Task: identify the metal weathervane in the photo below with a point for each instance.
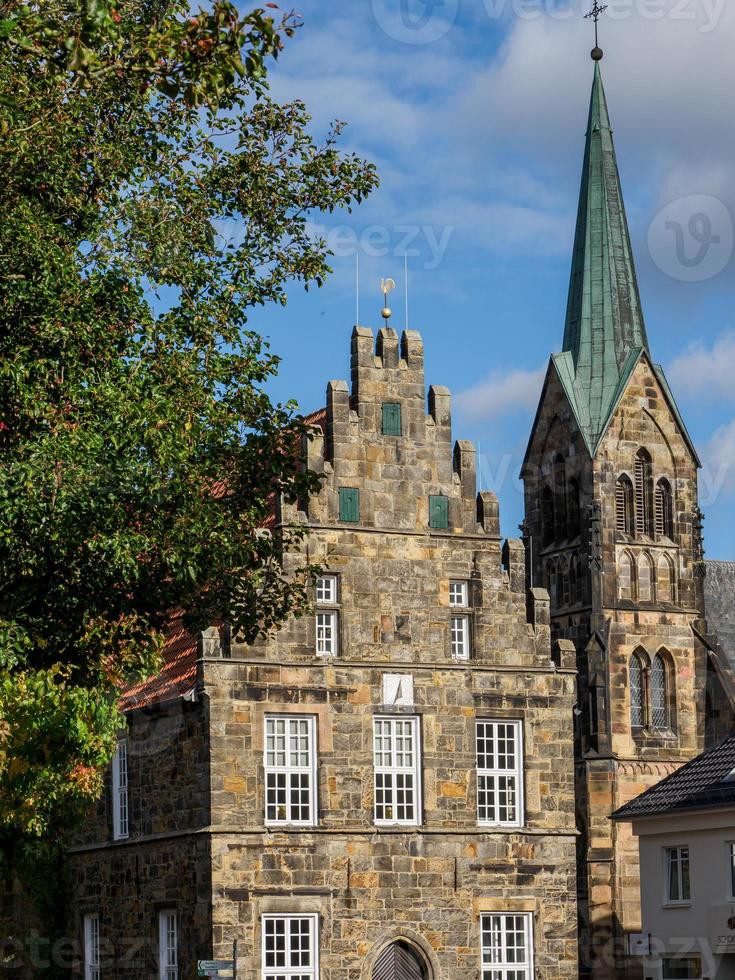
(386, 287)
(594, 14)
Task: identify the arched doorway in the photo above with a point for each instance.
(400, 961)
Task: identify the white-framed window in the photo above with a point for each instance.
(730, 864)
(678, 889)
(327, 633)
(460, 635)
(397, 756)
(92, 947)
(459, 594)
(499, 747)
(326, 590)
(120, 823)
(290, 770)
(682, 968)
(168, 945)
(507, 946)
(290, 947)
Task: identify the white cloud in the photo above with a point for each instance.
(706, 372)
(503, 393)
(718, 473)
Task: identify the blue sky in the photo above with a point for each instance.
(474, 112)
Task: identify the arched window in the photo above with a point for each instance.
(624, 506)
(664, 510)
(643, 494)
(645, 578)
(665, 580)
(551, 581)
(573, 517)
(573, 582)
(563, 586)
(660, 713)
(560, 499)
(547, 516)
(626, 583)
(637, 697)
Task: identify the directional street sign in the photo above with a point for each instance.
(215, 968)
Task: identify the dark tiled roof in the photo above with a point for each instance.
(719, 603)
(698, 785)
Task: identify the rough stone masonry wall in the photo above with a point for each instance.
(165, 863)
(623, 763)
(429, 884)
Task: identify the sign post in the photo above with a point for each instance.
(216, 968)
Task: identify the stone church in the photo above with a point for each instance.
(415, 780)
(614, 532)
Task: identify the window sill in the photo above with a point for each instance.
(288, 825)
(500, 826)
(396, 825)
(678, 905)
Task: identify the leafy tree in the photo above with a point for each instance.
(152, 196)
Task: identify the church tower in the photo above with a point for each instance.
(613, 531)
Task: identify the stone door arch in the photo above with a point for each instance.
(400, 961)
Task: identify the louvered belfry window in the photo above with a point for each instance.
(624, 506)
(643, 494)
(664, 510)
(547, 516)
(560, 500)
(573, 515)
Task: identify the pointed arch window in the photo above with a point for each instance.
(563, 586)
(625, 576)
(547, 516)
(643, 494)
(573, 516)
(665, 580)
(637, 697)
(552, 581)
(664, 510)
(560, 499)
(624, 506)
(573, 582)
(660, 713)
(645, 578)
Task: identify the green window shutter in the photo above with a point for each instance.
(438, 512)
(391, 419)
(349, 504)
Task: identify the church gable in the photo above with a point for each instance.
(555, 425)
(645, 417)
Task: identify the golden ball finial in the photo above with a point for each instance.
(386, 313)
(597, 54)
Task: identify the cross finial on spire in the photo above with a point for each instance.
(594, 14)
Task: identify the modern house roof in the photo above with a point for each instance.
(704, 783)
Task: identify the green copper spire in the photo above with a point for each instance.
(604, 322)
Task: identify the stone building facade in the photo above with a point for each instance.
(385, 788)
(613, 531)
